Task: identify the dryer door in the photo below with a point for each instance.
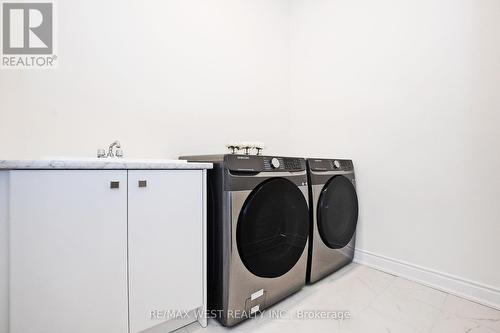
(337, 214)
(272, 228)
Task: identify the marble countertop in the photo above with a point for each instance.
(104, 164)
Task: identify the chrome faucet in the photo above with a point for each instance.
(101, 153)
(111, 146)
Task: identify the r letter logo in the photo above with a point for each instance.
(28, 29)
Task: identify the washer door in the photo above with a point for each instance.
(337, 212)
(272, 228)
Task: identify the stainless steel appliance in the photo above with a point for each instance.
(334, 216)
(258, 232)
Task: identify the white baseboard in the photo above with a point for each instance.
(471, 290)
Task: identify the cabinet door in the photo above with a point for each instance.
(165, 243)
(68, 247)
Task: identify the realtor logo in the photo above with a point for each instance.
(28, 34)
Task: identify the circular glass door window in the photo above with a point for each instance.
(272, 228)
(337, 212)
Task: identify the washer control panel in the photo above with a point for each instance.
(330, 164)
(257, 163)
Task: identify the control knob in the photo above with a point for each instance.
(336, 164)
(275, 163)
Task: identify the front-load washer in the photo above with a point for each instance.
(333, 215)
(258, 226)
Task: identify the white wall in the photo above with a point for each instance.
(411, 91)
(164, 77)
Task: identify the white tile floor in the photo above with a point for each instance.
(377, 302)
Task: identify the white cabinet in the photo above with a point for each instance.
(68, 251)
(93, 251)
(165, 245)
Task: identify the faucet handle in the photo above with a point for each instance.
(119, 153)
(101, 153)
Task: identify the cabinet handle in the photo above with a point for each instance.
(114, 184)
(142, 183)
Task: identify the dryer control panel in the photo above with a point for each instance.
(330, 164)
(257, 163)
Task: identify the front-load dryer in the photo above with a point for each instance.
(333, 215)
(258, 228)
